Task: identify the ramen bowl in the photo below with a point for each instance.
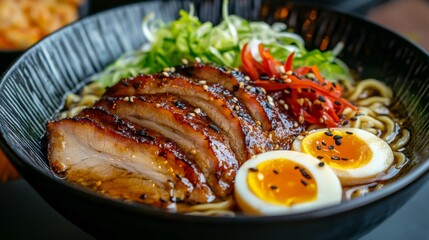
(33, 90)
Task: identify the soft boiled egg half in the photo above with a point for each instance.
(283, 182)
(355, 155)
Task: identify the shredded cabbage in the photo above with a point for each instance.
(188, 38)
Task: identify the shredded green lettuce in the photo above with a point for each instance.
(189, 38)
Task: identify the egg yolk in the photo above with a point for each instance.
(341, 150)
(283, 182)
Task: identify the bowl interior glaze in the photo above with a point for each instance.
(33, 90)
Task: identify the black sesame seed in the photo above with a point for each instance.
(320, 157)
(296, 167)
(143, 196)
(321, 164)
(312, 90)
(323, 84)
(235, 88)
(273, 187)
(252, 169)
(323, 143)
(305, 174)
(214, 127)
(304, 183)
(337, 103)
(275, 171)
(178, 176)
(328, 133)
(353, 119)
(331, 89)
(179, 104)
(373, 185)
(350, 133)
(345, 159)
(125, 83)
(335, 158)
(331, 147)
(336, 137)
(338, 142)
(319, 147)
(264, 77)
(345, 122)
(162, 200)
(321, 98)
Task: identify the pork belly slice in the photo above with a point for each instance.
(93, 155)
(246, 138)
(188, 127)
(279, 125)
(186, 174)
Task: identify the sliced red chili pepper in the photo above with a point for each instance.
(328, 93)
(289, 62)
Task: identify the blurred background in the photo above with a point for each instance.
(24, 22)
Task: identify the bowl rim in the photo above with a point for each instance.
(144, 210)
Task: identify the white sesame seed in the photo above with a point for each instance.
(248, 87)
(295, 124)
(288, 80)
(167, 69)
(263, 90)
(241, 84)
(126, 99)
(193, 151)
(211, 98)
(191, 114)
(286, 106)
(202, 82)
(185, 61)
(281, 101)
(205, 87)
(197, 59)
(270, 99)
(300, 101)
(165, 74)
(301, 119)
(247, 78)
(132, 98)
(172, 69)
(237, 108)
(258, 123)
(276, 147)
(289, 72)
(197, 110)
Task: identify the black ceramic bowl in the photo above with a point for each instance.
(33, 89)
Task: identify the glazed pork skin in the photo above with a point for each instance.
(188, 127)
(115, 164)
(246, 138)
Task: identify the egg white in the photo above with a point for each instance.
(382, 158)
(329, 191)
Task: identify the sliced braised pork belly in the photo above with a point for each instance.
(246, 138)
(123, 161)
(260, 106)
(187, 126)
(182, 172)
